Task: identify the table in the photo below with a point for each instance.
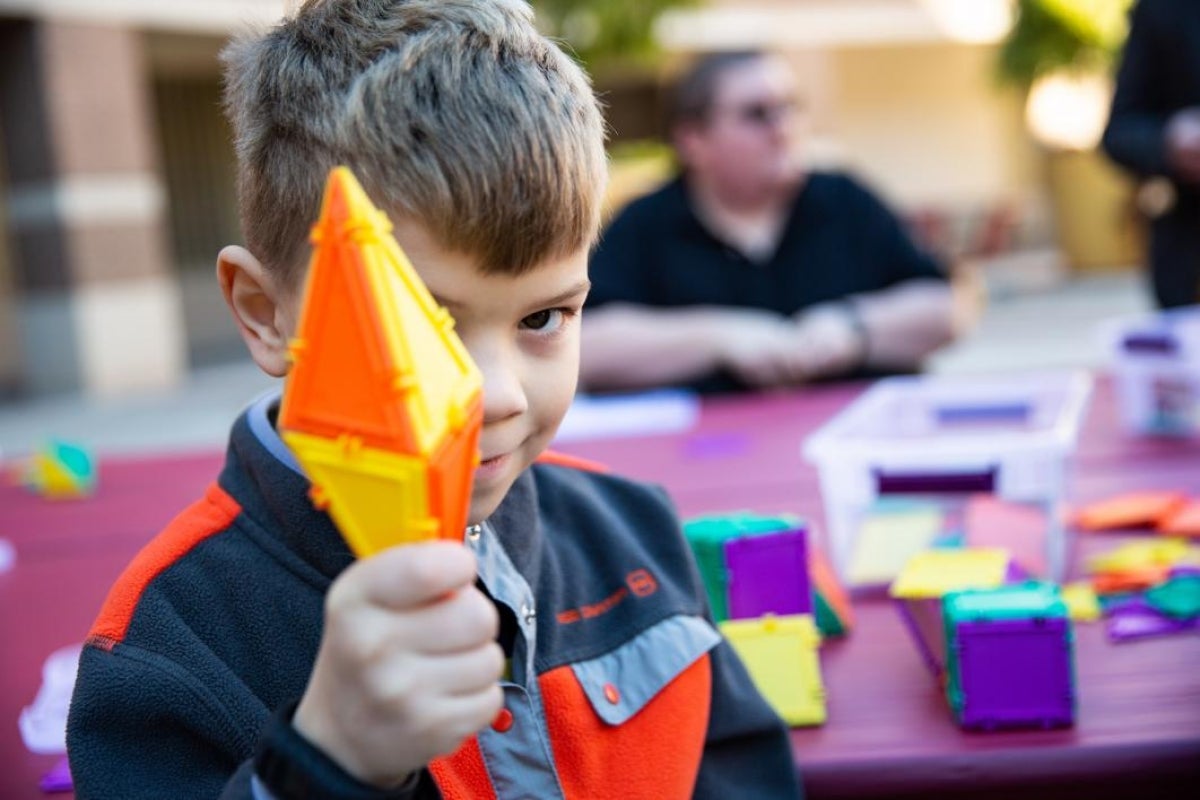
(889, 732)
(68, 555)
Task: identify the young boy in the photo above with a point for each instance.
(563, 650)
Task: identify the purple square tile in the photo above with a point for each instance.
(768, 574)
(1015, 673)
(58, 779)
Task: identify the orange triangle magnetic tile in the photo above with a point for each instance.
(1129, 510)
(422, 339)
(342, 377)
(424, 367)
(340, 386)
(825, 582)
(452, 474)
(1183, 521)
(1131, 579)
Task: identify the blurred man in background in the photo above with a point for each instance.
(747, 271)
(1154, 130)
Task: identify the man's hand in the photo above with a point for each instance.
(830, 341)
(764, 350)
(408, 665)
(760, 348)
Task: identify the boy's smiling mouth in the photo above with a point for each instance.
(493, 466)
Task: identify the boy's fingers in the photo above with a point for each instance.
(466, 673)
(413, 575)
(464, 714)
(460, 623)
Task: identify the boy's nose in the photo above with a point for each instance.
(503, 392)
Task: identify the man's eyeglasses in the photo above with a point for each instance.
(762, 112)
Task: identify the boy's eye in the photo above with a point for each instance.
(544, 321)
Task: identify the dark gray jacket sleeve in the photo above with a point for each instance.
(140, 727)
(748, 752)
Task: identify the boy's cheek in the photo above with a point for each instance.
(559, 394)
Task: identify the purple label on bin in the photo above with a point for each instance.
(1159, 343)
(935, 482)
(990, 414)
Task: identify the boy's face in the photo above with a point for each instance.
(523, 333)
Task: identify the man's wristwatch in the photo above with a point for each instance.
(853, 316)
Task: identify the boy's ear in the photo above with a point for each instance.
(259, 308)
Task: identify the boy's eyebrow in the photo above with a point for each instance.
(577, 289)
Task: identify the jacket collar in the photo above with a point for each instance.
(262, 474)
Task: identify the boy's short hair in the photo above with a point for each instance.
(455, 113)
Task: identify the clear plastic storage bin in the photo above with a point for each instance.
(1155, 363)
(942, 440)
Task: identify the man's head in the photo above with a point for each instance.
(732, 119)
(483, 142)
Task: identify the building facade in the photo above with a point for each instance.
(117, 179)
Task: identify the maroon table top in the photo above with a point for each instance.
(889, 732)
(68, 554)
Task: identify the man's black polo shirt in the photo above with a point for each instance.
(839, 240)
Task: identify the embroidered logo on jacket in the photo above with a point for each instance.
(639, 583)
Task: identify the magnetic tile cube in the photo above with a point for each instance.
(1010, 657)
(781, 656)
(752, 564)
(927, 578)
(61, 470)
(758, 564)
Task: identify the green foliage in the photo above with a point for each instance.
(640, 150)
(605, 32)
(1055, 35)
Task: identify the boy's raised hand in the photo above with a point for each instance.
(408, 665)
